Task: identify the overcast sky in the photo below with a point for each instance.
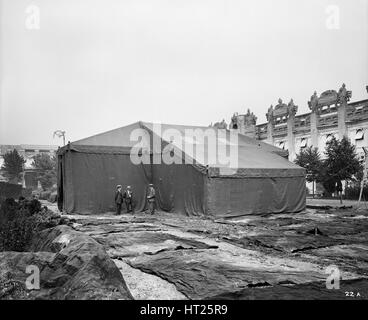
(95, 65)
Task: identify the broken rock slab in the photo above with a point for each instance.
(200, 274)
(287, 243)
(137, 243)
(72, 266)
(351, 257)
(13, 272)
(81, 268)
(356, 289)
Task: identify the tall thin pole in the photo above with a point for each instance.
(60, 134)
(364, 173)
(361, 190)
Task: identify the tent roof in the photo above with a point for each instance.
(252, 154)
(243, 140)
(120, 137)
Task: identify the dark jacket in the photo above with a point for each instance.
(128, 197)
(118, 197)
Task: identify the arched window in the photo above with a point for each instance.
(359, 135)
(304, 143)
(281, 145)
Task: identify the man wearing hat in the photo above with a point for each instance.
(128, 197)
(151, 195)
(118, 199)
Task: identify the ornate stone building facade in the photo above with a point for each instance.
(332, 114)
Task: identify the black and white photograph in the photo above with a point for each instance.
(192, 151)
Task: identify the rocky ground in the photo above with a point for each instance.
(68, 264)
(169, 256)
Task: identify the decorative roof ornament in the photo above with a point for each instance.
(292, 108)
(343, 96)
(313, 103)
(281, 105)
(221, 125)
(280, 110)
(328, 98)
(234, 124)
(269, 114)
(250, 118)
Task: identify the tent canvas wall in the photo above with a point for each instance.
(263, 182)
(87, 178)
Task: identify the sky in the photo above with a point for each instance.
(88, 66)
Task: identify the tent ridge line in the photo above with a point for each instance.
(197, 166)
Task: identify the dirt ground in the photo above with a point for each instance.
(284, 256)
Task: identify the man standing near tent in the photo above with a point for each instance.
(128, 197)
(118, 199)
(151, 196)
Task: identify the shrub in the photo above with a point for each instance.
(46, 165)
(20, 220)
(47, 179)
(16, 234)
(13, 165)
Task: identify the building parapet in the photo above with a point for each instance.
(330, 111)
(28, 148)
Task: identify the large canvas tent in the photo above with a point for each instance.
(263, 181)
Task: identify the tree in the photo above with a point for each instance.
(13, 165)
(46, 165)
(341, 164)
(44, 162)
(310, 160)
